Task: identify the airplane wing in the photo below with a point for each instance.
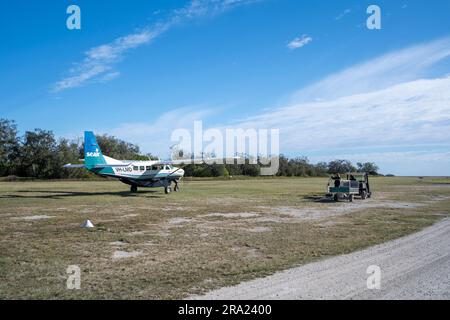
(72, 166)
(198, 161)
(121, 165)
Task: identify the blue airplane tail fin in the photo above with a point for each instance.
(92, 154)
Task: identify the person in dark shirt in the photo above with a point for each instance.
(337, 180)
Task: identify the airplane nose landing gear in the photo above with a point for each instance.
(133, 188)
(177, 188)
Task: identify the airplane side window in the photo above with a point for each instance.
(154, 168)
(167, 168)
(148, 168)
(142, 168)
(135, 168)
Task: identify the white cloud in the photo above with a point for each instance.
(299, 42)
(343, 14)
(98, 61)
(408, 114)
(400, 66)
(109, 76)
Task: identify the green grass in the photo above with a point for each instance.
(183, 248)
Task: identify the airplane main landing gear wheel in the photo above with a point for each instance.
(133, 188)
(167, 189)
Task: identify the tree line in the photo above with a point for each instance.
(39, 154)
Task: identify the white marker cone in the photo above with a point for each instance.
(87, 224)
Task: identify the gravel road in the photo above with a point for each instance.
(413, 267)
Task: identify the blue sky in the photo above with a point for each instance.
(141, 69)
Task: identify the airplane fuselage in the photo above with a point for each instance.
(143, 173)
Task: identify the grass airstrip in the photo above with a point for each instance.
(213, 233)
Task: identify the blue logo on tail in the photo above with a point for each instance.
(92, 153)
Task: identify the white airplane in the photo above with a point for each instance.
(134, 173)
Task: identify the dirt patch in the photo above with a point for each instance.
(253, 253)
(438, 198)
(136, 233)
(328, 223)
(125, 254)
(234, 215)
(88, 210)
(342, 208)
(274, 219)
(31, 218)
(131, 215)
(174, 209)
(180, 220)
(248, 252)
(227, 201)
(164, 233)
(259, 229)
(118, 243)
